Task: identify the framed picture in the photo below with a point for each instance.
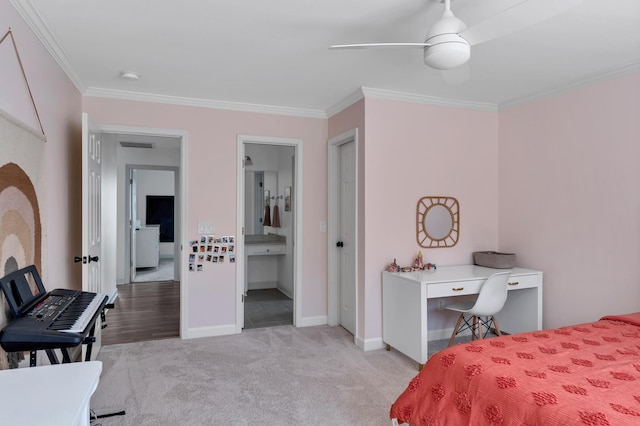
(287, 199)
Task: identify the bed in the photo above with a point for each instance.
(587, 374)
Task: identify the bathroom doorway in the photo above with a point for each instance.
(269, 223)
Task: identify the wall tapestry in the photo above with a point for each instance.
(22, 234)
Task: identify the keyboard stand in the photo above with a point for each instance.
(66, 357)
(53, 358)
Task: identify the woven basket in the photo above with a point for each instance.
(493, 259)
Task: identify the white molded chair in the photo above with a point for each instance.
(490, 301)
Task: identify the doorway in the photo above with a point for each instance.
(343, 295)
(269, 229)
(151, 206)
(147, 150)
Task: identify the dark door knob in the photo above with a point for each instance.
(339, 244)
(80, 259)
(93, 259)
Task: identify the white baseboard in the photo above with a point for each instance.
(285, 291)
(222, 330)
(262, 285)
(444, 334)
(312, 321)
(372, 344)
(113, 297)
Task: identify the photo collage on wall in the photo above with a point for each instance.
(209, 249)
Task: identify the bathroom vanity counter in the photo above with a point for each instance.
(265, 239)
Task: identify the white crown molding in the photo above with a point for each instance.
(589, 80)
(33, 19)
(371, 93)
(428, 100)
(204, 103)
(345, 103)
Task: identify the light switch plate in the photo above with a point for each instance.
(205, 228)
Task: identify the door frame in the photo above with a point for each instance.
(298, 223)
(333, 230)
(183, 209)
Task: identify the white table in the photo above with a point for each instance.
(48, 395)
(405, 297)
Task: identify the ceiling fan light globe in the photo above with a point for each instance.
(447, 55)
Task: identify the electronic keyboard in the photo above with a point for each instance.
(59, 319)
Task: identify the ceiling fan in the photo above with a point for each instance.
(448, 42)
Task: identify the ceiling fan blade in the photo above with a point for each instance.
(515, 18)
(365, 45)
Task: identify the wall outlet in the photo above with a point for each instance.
(323, 226)
(440, 304)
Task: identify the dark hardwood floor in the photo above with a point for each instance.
(144, 311)
(151, 311)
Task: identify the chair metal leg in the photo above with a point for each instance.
(455, 331)
(496, 327)
(474, 327)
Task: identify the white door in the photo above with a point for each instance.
(91, 218)
(347, 242)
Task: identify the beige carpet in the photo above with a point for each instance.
(164, 272)
(268, 376)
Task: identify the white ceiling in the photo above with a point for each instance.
(257, 53)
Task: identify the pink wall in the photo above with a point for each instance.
(412, 151)
(212, 142)
(59, 107)
(569, 198)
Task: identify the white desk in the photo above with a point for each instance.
(405, 294)
(49, 395)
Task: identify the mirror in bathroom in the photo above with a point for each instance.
(438, 222)
(260, 186)
(267, 197)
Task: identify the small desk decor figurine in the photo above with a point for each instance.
(393, 267)
(418, 263)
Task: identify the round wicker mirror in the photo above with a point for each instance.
(438, 222)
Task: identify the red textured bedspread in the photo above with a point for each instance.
(586, 374)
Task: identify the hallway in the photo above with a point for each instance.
(144, 311)
(164, 272)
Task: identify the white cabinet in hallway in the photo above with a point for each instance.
(148, 247)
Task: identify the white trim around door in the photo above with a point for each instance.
(297, 238)
(183, 210)
(333, 230)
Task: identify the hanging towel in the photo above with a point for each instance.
(276, 217)
(267, 216)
